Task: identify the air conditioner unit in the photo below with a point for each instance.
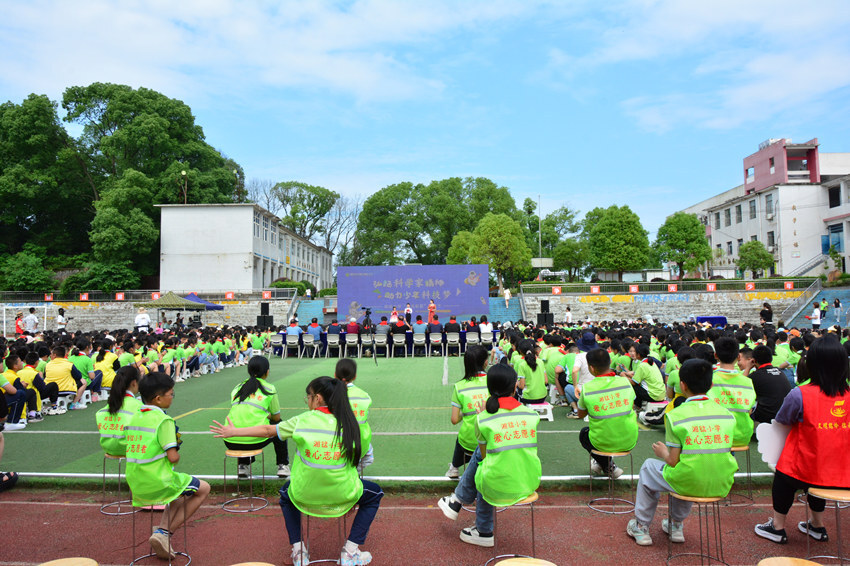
(771, 249)
(769, 217)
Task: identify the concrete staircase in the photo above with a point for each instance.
(500, 313)
(841, 293)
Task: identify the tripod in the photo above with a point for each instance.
(367, 324)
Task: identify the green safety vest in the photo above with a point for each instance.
(608, 400)
(706, 466)
(150, 475)
(254, 410)
(360, 403)
(322, 484)
(470, 395)
(735, 392)
(111, 427)
(511, 470)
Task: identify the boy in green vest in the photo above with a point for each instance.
(152, 445)
(732, 390)
(607, 399)
(696, 457)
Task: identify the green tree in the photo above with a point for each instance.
(25, 272)
(110, 277)
(45, 199)
(122, 227)
(498, 240)
(617, 241)
(571, 255)
(753, 256)
(681, 240)
(304, 207)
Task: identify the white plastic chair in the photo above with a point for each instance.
(291, 342)
(419, 340)
(351, 342)
(452, 341)
(399, 340)
(381, 342)
(436, 339)
(309, 341)
(333, 342)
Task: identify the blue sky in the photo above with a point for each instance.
(641, 102)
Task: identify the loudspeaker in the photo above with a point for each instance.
(546, 319)
(264, 309)
(544, 305)
(265, 321)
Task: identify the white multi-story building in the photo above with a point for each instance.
(234, 247)
(795, 200)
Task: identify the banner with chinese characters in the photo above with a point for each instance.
(455, 289)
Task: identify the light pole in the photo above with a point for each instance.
(183, 181)
(539, 228)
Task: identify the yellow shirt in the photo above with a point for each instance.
(58, 370)
(105, 367)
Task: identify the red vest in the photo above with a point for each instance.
(816, 449)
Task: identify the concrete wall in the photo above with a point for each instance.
(736, 306)
(89, 316)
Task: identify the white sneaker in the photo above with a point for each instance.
(615, 471)
(453, 473)
(300, 558)
(678, 532)
(15, 426)
(595, 468)
(472, 536)
(359, 558)
(283, 471)
(244, 471)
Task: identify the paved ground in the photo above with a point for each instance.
(42, 524)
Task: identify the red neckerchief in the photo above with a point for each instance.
(508, 403)
(315, 324)
(128, 394)
(324, 410)
(646, 361)
(763, 365)
(293, 325)
(29, 366)
(382, 323)
(609, 374)
(480, 374)
(697, 398)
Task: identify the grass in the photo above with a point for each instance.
(412, 434)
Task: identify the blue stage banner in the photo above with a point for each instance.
(455, 289)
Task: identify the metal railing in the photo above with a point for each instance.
(808, 266)
(699, 286)
(522, 303)
(800, 302)
(137, 295)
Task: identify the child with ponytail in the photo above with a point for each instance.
(468, 397)
(532, 375)
(360, 401)
(255, 402)
(120, 408)
(504, 469)
(324, 480)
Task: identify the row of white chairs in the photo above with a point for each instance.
(361, 343)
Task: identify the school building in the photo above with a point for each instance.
(234, 247)
(794, 199)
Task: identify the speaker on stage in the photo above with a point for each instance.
(265, 321)
(264, 309)
(546, 318)
(544, 305)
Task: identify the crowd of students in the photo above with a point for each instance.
(707, 387)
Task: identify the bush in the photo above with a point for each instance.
(308, 285)
(25, 272)
(300, 289)
(329, 292)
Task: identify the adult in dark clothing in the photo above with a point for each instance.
(334, 327)
(400, 327)
(452, 325)
(435, 326)
(770, 384)
(766, 314)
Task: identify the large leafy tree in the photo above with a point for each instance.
(497, 240)
(303, 208)
(617, 241)
(416, 223)
(571, 255)
(25, 271)
(753, 256)
(46, 200)
(681, 240)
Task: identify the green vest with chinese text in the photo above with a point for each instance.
(613, 424)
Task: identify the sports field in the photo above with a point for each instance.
(413, 437)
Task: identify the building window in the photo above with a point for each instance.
(729, 248)
(717, 220)
(265, 228)
(772, 166)
(753, 209)
(754, 238)
(771, 239)
(751, 174)
(256, 224)
(836, 237)
(740, 243)
(768, 204)
(834, 197)
(739, 214)
(727, 217)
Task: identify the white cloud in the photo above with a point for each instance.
(205, 46)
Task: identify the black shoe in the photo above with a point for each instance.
(817, 533)
(766, 530)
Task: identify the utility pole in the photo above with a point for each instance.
(539, 229)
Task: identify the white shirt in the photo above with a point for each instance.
(815, 316)
(507, 294)
(30, 322)
(584, 374)
(60, 322)
(143, 320)
(485, 327)
(569, 317)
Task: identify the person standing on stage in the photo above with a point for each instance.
(432, 310)
(408, 313)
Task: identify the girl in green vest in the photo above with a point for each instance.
(532, 374)
(360, 401)
(121, 407)
(468, 398)
(255, 402)
(324, 480)
(504, 469)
